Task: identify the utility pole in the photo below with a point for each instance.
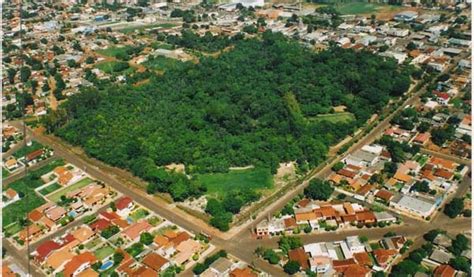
(25, 141)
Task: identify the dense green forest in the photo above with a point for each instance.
(249, 106)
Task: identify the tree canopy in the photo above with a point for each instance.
(252, 105)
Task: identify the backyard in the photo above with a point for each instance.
(57, 195)
(219, 184)
(49, 189)
(103, 252)
(26, 188)
(27, 149)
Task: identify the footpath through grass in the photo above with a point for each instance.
(219, 184)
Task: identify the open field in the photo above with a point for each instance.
(334, 117)
(26, 186)
(57, 195)
(220, 184)
(128, 30)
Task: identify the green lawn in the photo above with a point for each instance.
(27, 149)
(221, 183)
(57, 195)
(93, 243)
(49, 189)
(114, 51)
(12, 229)
(26, 186)
(103, 252)
(139, 214)
(161, 63)
(161, 45)
(108, 67)
(5, 173)
(334, 117)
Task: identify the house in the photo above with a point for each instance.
(243, 272)
(384, 217)
(383, 256)
(299, 255)
(354, 244)
(221, 267)
(34, 155)
(30, 233)
(133, 231)
(465, 126)
(11, 195)
(79, 263)
(58, 258)
(363, 258)
(100, 224)
(356, 271)
(422, 138)
(186, 250)
(385, 195)
(361, 158)
(11, 164)
(44, 249)
(406, 16)
(82, 233)
(442, 97)
(414, 205)
(55, 213)
(124, 206)
(439, 257)
(444, 271)
(320, 264)
(341, 265)
(155, 262)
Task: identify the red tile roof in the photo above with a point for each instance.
(154, 261)
(35, 154)
(100, 224)
(300, 256)
(123, 202)
(45, 249)
(444, 271)
(384, 194)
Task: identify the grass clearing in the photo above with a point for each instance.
(113, 51)
(111, 67)
(128, 30)
(57, 195)
(357, 8)
(161, 63)
(103, 252)
(26, 186)
(219, 184)
(49, 189)
(25, 150)
(334, 117)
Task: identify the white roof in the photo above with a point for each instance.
(415, 204)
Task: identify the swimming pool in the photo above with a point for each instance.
(108, 264)
(72, 213)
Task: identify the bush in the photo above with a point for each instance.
(291, 267)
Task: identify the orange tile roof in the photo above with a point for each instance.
(443, 163)
(444, 271)
(348, 208)
(78, 261)
(290, 222)
(88, 273)
(300, 256)
(170, 234)
(57, 258)
(6, 271)
(341, 265)
(356, 271)
(443, 173)
(305, 216)
(161, 240)
(383, 255)
(136, 229)
(83, 233)
(402, 177)
(154, 261)
(11, 193)
(35, 215)
(244, 272)
(365, 216)
(384, 194)
(363, 258)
